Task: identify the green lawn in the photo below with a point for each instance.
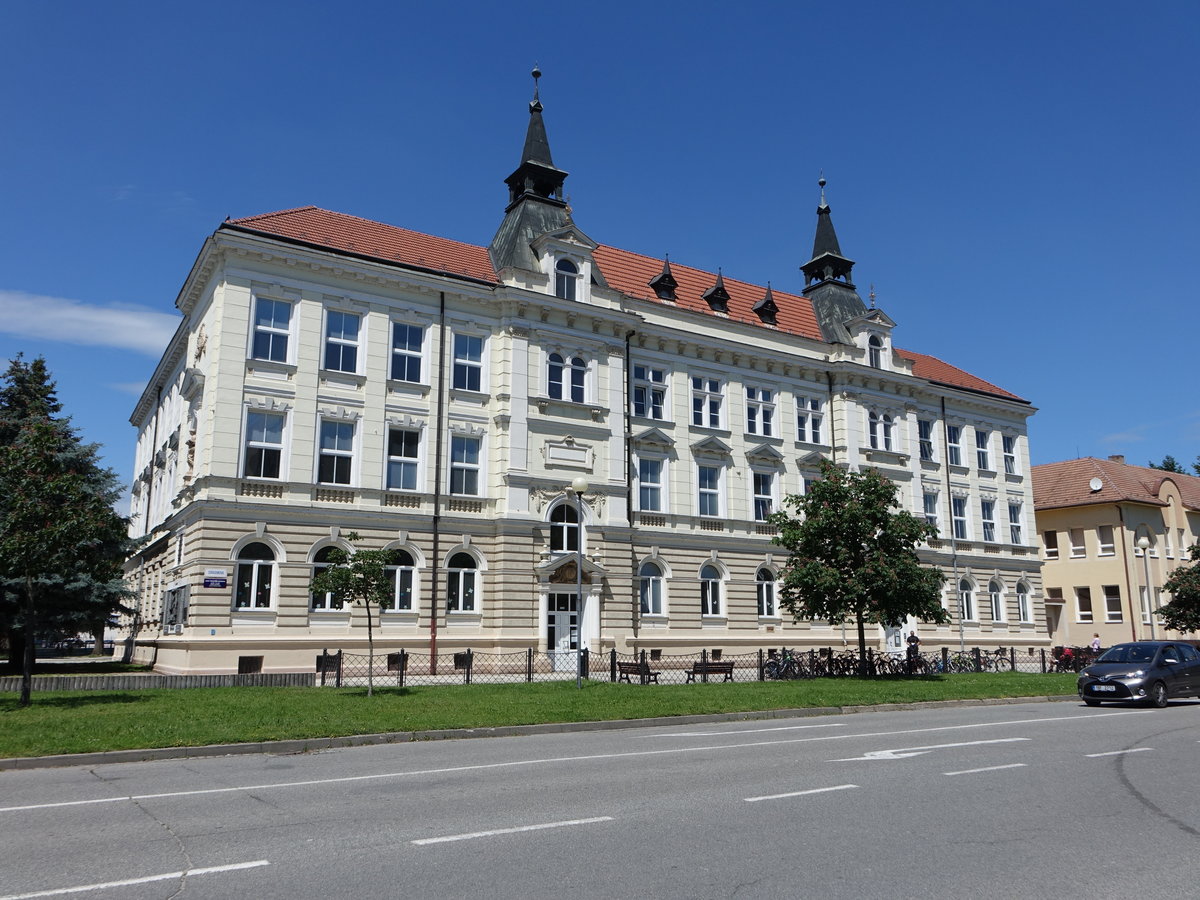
(84, 721)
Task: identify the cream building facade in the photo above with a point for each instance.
(1093, 515)
(334, 375)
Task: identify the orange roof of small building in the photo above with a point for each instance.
(627, 272)
(1069, 483)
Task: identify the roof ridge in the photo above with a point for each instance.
(269, 215)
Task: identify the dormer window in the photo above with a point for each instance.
(875, 352)
(566, 279)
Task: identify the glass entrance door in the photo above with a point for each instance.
(562, 630)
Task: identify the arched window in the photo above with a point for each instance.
(564, 529)
(559, 371)
(764, 585)
(566, 277)
(875, 352)
(255, 577)
(401, 569)
(880, 428)
(966, 600)
(320, 563)
(1024, 613)
(651, 589)
(996, 596)
(710, 591)
(461, 583)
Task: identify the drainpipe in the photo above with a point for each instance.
(440, 427)
(831, 418)
(962, 642)
(635, 604)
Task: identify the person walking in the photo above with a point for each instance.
(914, 649)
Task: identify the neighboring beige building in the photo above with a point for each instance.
(1091, 516)
(333, 374)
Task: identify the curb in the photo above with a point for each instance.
(308, 745)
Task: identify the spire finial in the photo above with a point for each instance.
(536, 73)
(871, 295)
(821, 182)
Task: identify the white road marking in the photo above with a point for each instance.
(986, 769)
(165, 876)
(480, 834)
(743, 731)
(825, 790)
(904, 752)
(1109, 753)
(572, 760)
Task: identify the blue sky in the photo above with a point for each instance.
(1017, 180)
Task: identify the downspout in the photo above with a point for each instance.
(962, 642)
(832, 419)
(635, 598)
(440, 427)
(1133, 616)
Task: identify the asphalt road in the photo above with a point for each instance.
(1040, 800)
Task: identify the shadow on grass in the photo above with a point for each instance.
(362, 692)
(76, 701)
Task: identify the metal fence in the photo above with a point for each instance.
(401, 668)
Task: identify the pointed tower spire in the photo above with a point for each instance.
(827, 260)
(664, 284)
(536, 175)
(827, 279)
(717, 297)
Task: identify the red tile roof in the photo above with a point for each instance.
(1068, 483)
(626, 272)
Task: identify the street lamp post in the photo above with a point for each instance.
(1144, 545)
(579, 485)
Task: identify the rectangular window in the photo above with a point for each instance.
(760, 411)
(403, 450)
(264, 444)
(958, 512)
(1024, 610)
(1010, 454)
(987, 512)
(1112, 603)
(341, 341)
(764, 495)
(1104, 535)
(925, 439)
(710, 490)
(650, 472)
(810, 417)
(272, 326)
(982, 455)
(1168, 550)
(1184, 546)
(649, 392)
(1078, 549)
(1015, 531)
(336, 462)
(1145, 605)
(468, 362)
(931, 510)
(954, 444)
(1050, 543)
(706, 402)
(1083, 604)
(407, 352)
(464, 466)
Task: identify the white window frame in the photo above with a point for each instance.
(954, 444)
(566, 279)
(1024, 608)
(987, 515)
(959, 519)
(565, 532)
(875, 351)
(337, 452)
(249, 443)
(648, 386)
(465, 467)
(458, 583)
(710, 591)
(760, 500)
(468, 373)
(1078, 550)
(324, 602)
(566, 377)
(712, 492)
(271, 566)
(652, 590)
(1009, 446)
(966, 601)
(931, 508)
(406, 355)
(766, 592)
(1112, 604)
(1082, 616)
(1016, 522)
(708, 402)
(925, 440)
(395, 572)
(983, 449)
(810, 418)
(341, 343)
(1050, 546)
(272, 331)
(996, 600)
(879, 429)
(760, 411)
(405, 462)
(659, 487)
(1106, 538)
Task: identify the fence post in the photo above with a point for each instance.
(762, 674)
(704, 665)
(945, 659)
(470, 662)
(870, 669)
(612, 665)
(643, 668)
(586, 660)
(1043, 660)
(829, 658)
(324, 653)
(978, 661)
(1012, 659)
(528, 665)
(340, 655)
(403, 666)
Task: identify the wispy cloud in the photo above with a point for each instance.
(1126, 437)
(129, 387)
(73, 322)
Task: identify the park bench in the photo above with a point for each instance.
(710, 669)
(640, 669)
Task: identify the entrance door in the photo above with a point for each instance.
(562, 630)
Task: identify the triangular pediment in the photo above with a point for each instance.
(560, 569)
(765, 453)
(568, 234)
(653, 437)
(712, 446)
(872, 317)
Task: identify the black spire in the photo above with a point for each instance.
(536, 175)
(664, 284)
(827, 279)
(716, 296)
(767, 308)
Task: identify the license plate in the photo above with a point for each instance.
(1104, 687)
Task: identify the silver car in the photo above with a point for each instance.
(1148, 671)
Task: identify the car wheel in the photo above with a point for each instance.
(1158, 694)
(1091, 702)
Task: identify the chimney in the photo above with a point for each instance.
(1117, 458)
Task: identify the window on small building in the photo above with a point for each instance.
(566, 279)
(1104, 536)
(1050, 544)
(1083, 604)
(461, 583)
(1112, 603)
(1078, 548)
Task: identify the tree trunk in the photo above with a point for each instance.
(98, 640)
(30, 646)
(862, 645)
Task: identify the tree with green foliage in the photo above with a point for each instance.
(361, 576)
(1183, 612)
(853, 554)
(62, 544)
(1169, 464)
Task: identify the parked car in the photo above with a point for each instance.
(1149, 671)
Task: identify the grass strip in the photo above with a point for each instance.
(89, 721)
